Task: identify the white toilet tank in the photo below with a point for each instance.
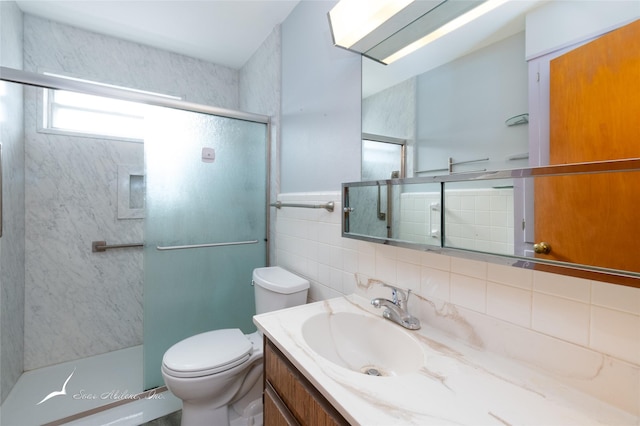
(276, 288)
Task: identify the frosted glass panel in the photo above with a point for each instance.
(195, 201)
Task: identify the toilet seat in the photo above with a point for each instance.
(207, 353)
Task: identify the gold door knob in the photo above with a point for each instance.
(542, 248)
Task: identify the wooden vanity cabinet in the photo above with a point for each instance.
(289, 398)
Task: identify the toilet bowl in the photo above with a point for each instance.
(218, 374)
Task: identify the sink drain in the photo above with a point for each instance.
(373, 370)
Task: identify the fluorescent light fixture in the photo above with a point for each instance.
(445, 29)
(353, 20)
(386, 30)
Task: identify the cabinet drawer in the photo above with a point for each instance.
(275, 412)
(303, 400)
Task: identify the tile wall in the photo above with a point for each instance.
(12, 250)
(585, 333)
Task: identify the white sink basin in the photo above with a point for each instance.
(363, 344)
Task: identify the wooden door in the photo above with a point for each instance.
(594, 115)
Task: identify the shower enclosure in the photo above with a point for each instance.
(205, 228)
(204, 201)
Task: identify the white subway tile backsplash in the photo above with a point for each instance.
(324, 253)
(349, 260)
(515, 277)
(329, 233)
(386, 252)
(367, 264)
(408, 276)
(386, 269)
(436, 261)
(409, 256)
(562, 285)
(584, 333)
(562, 318)
(616, 333)
(337, 258)
(348, 283)
(470, 268)
(509, 303)
(435, 284)
(468, 292)
(618, 297)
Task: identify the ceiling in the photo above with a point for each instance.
(223, 32)
(228, 32)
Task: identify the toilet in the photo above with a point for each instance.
(218, 374)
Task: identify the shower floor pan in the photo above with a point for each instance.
(48, 395)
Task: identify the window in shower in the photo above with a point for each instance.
(93, 116)
(66, 112)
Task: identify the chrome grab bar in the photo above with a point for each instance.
(192, 246)
(328, 206)
(100, 246)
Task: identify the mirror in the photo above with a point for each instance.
(455, 103)
(478, 98)
(498, 96)
(382, 211)
(583, 212)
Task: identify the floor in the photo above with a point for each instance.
(46, 395)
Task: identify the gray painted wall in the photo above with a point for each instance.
(321, 92)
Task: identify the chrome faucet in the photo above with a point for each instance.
(396, 308)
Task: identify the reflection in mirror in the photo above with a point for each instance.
(479, 216)
(382, 157)
(587, 219)
(584, 213)
(466, 94)
(385, 211)
(420, 214)
(462, 111)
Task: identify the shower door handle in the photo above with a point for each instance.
(193, 246)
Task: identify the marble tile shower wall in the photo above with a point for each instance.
(260, 89)
(585, 333)
(79, 303)
(12, 241)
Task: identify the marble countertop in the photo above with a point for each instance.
(458, 384)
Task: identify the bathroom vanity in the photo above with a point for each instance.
(288, 395)
(319, 360)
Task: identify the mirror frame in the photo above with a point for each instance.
(627, 278)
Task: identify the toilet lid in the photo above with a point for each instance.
(207, 353)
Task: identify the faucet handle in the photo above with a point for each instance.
(399, 296)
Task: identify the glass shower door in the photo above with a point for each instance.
(205, 227)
